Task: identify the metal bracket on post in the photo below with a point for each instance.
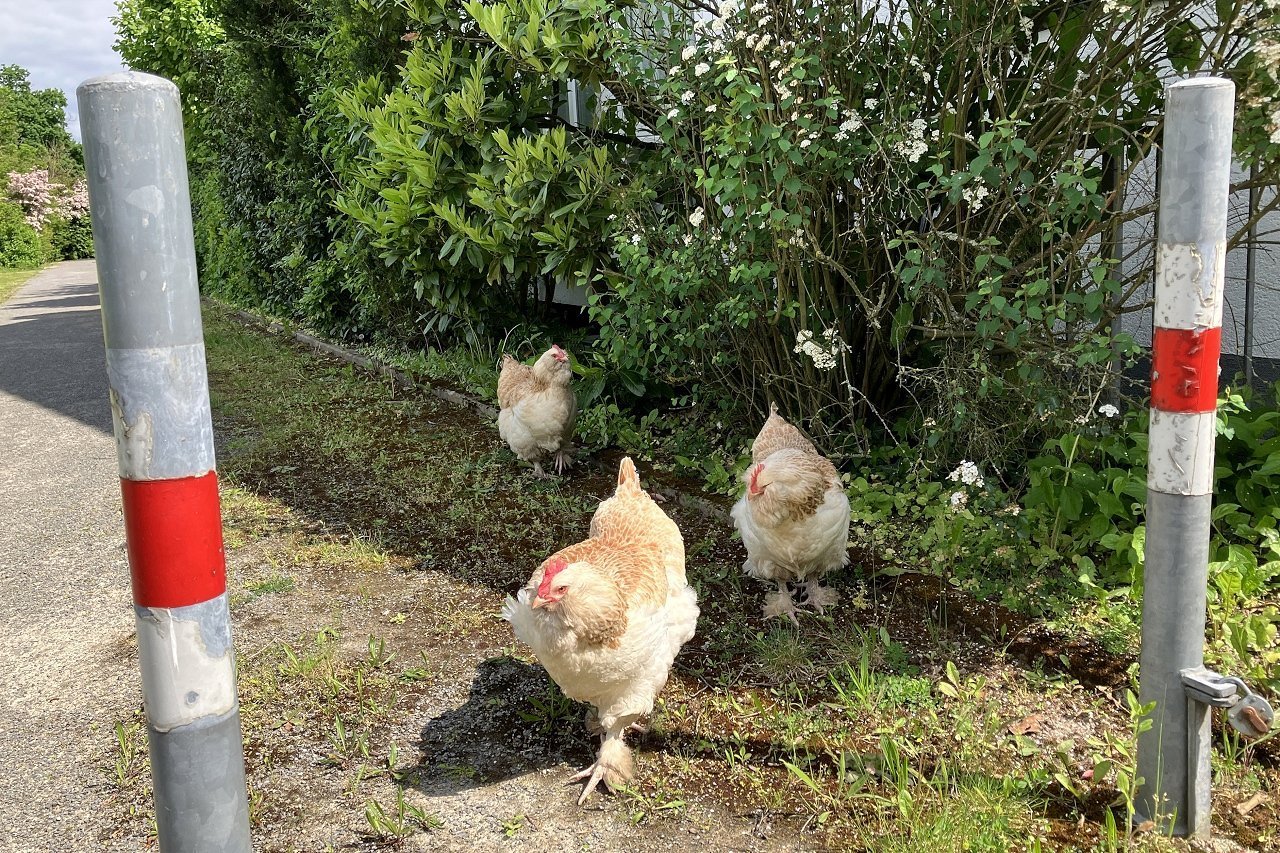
(1248, 714)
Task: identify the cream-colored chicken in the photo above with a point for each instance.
(794, 518)
(537, 408)
(607, 617)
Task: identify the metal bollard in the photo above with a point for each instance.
(1173, 756)
(135, 161)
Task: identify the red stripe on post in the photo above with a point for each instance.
(1184, 369)
(173, 529)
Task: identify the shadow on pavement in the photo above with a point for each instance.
(51, 350)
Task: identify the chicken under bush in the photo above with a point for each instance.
(607, 616)
(537, 408)
(794, 518)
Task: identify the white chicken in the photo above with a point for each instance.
(537, 408)
(607, 616)
(794, 518)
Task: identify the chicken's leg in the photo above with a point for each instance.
(563, 461)
(613, 765)
(539, 473)
(818, 596)
(780, 604)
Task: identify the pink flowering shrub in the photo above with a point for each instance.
(34, 194)
(58, 212)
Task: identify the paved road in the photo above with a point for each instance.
(67, 660)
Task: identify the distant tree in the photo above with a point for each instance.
(31, 117)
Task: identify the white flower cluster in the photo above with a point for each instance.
(852, 121)
(974, 194)
(725, 10)
(959, 500)
(697, 218)
(1108, 411)
(967, 473)
(912, 146)
(1268, 53)
(700, 69)
(823, 356)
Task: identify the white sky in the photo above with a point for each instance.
(61, 43)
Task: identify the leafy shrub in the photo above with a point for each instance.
(20, 245)
(71, 239)
(1089, 498)
(1080, 531)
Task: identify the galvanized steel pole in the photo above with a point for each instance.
(1173, 756)
(135, 160)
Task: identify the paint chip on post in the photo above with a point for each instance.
(1180, 452)
(188, 669)
(1188, 295)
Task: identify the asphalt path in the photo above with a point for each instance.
(68, 665)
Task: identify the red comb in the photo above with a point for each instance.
(755, 472)
(554, 567)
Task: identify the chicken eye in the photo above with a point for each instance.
(561, 589)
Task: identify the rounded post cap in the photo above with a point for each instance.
(1202, 83)
(121, 81)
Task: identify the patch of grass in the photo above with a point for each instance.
(975, 813)
(11, 280)
(398, 821)
(511, 826)
(268, 586)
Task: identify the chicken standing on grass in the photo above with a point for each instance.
(607, 616)
(537, 408)
(794, 518)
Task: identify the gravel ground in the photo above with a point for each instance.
(66, 630)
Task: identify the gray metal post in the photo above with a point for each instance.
(135, 161)
(1173, 756)
(1251, 276)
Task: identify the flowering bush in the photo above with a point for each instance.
(33, 192)
(934, 185)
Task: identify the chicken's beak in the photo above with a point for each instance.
(539, 601)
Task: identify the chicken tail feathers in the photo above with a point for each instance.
(628, 479)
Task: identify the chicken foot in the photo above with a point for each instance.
(563, 461)
(818, 596)
(780, 603)
(613, 766)
(539, 473)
